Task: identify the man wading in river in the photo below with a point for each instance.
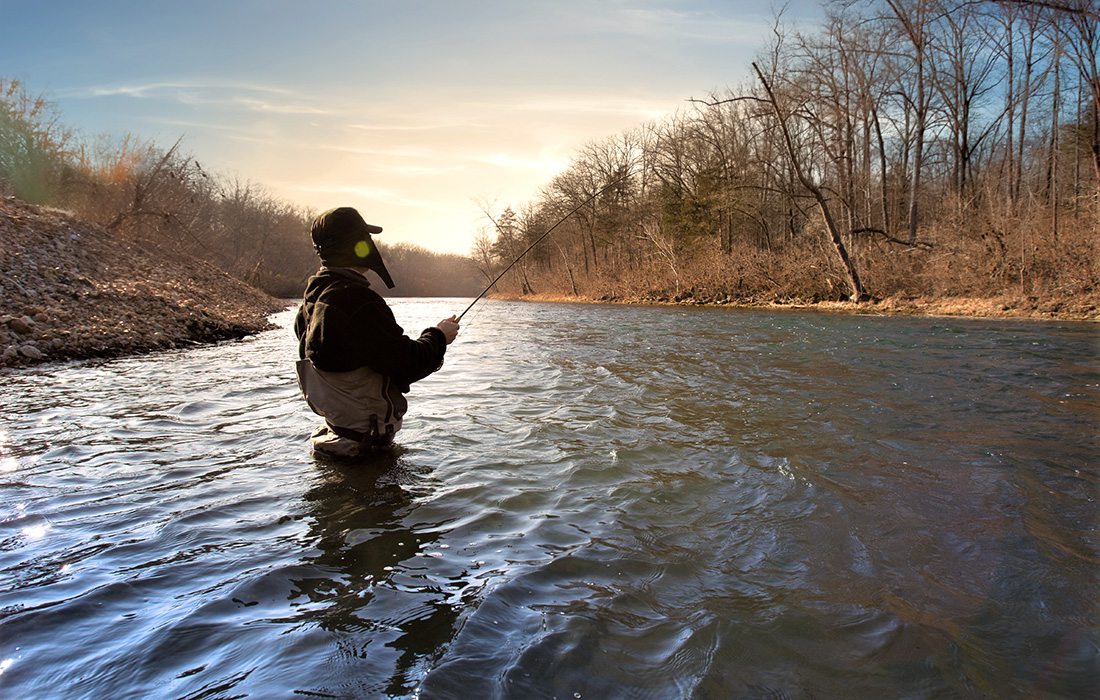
(356, 362)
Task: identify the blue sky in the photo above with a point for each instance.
(415, 112)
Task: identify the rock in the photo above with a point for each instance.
(22, 326)
(59, 301)
(30, 352)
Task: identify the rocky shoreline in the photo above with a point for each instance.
(1076, 308)
(71, 290)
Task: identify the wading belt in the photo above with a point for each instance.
(374, 438)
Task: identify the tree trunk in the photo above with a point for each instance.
(1052, 171)
(857, 291)
(915, 29)
(886, 220)
(568, 268)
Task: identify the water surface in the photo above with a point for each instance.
(587, 502)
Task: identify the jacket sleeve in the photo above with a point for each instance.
(301, 327)
(386, 349)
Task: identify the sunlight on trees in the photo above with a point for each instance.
(166, 201)
(908, 148)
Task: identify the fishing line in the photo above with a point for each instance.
(539, 240)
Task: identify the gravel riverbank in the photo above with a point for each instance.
(71, 290)
(1079, 307)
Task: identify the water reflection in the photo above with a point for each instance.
(369, 581)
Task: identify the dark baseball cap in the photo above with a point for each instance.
(339, 225)
(343, 239)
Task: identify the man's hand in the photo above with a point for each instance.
(449, 326)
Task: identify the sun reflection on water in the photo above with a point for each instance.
(36, 532)
(7, 462)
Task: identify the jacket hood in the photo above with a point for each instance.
(326, 276)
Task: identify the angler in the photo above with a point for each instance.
(356, 363)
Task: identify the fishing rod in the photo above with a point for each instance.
(539, 240)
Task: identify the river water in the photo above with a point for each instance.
(587, 502)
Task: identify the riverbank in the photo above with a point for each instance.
(1079, 308)
(71, 290)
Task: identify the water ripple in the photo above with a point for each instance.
(587, 502)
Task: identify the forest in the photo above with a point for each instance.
(165, 201)
(905, 148)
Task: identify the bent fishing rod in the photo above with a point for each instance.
(539, 240)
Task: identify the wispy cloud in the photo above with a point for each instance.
(247, 96)
(118, 90)
(371, 193)
(258, 105)
(662, 24)
(415, 152)
(227, 131)
(544, 164)
(405, 127)
(422, 170)
(149, 89)
(585, 105)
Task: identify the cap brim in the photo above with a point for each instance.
(372, 229)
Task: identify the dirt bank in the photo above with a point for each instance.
(69, 290)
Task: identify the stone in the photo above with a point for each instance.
(22, 326)
(30, 352)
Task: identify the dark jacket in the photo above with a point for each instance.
(343, 324)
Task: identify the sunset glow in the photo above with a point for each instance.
(415, 114)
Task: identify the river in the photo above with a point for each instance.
(586, 502)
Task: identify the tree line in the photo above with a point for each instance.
(905, 148)
(166, 200)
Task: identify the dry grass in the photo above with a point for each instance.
(965, 266)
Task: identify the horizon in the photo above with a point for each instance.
(415, 124)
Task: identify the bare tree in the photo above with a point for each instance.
(857, 292)
(914, 18)
(1080, 35)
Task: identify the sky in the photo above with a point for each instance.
(418, 113)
